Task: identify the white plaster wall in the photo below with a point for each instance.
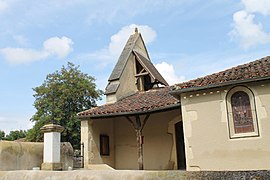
(85, 138)
(98, 127)
(158, 143)
(127, 80)
(126, 155)
(208, 144)
(52, 150)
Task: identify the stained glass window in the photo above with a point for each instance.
(242, 113)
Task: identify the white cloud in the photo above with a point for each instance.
(247, 31)
(3, 6)
(257, 6)
(60, 47)
(21, 56)
(167, 71)
(117, 43)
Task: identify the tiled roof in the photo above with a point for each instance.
(140, 102)
(112, 88)
(256, 70)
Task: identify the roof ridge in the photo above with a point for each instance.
(246, 71)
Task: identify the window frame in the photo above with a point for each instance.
(231, 127)
(104, 145)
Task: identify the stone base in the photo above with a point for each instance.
(51, 166)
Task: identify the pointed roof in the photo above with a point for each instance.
(122, 61)
(143, 58)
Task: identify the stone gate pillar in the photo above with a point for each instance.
(51, 150)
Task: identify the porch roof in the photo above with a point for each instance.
(139, 103)
(254, 71)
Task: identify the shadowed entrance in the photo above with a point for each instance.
(180, 146)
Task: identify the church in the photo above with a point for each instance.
(214, 123)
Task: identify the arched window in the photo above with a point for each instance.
(241, 112)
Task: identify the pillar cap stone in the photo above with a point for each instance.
(52, 128)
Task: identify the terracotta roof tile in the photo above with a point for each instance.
(137, 103)
(250, 71)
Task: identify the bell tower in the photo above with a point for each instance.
(133, 72)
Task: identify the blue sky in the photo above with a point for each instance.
(185, 39)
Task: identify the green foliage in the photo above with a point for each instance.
(14, 135)
(2, 135)
(67, 92)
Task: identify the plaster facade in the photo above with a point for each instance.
(159, 142)
(208, 143)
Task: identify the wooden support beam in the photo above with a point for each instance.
(133, 124)
(138, 125)
(145, 120)
(141, 74)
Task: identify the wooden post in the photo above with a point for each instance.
(138, 126)
(140, 149)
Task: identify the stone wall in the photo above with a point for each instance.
(26, 155)
(124, 174)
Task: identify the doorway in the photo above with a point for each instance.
(180, 146)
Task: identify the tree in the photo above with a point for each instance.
(62, 95)
(2, 135)
(14, 135)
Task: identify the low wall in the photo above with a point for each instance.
(26, 155)
(132, 174)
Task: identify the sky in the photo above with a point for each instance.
(185, 39)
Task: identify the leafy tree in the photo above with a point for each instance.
(62, 95)
(14, 135)
(2, 135)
